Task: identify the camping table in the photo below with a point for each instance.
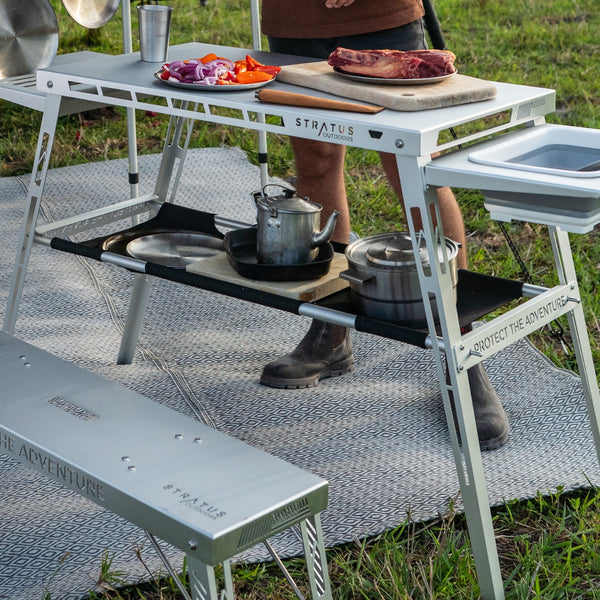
(412, 137)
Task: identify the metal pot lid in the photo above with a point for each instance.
(91, 13)
(28, 36)
(394, 252)
(285, 204)
(391, 250)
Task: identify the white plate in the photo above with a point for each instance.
(388, 81)
(237, 87)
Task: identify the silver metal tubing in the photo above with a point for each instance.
(42, 239)
(126, 18)
(530, 291)
(168, 566)
(439, 342)
(328, 315)
(135, 318)
(133, 264)
(283, 569)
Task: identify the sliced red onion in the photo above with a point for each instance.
(194, 71)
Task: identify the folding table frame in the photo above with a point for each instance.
(412, 137)
(22, 90)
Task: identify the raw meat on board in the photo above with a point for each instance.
(394, 64)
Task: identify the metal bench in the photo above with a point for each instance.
(204, 492)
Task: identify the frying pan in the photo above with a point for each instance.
(28, 36)
(91, 13)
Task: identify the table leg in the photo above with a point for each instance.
(173, 153)
(203, 581)
(437, 283)
(566, 272)
(135, 318)
(34, 199)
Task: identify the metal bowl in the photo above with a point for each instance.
(91, 13)
(28, 36)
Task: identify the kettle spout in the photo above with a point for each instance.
(322, 237)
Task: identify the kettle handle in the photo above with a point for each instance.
(288, 192)
(260, 195)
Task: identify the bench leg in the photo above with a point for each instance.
(204, 584)
(316, 559)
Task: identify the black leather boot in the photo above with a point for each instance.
(325, 351)
(490, 418)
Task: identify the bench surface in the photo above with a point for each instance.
(205, 492)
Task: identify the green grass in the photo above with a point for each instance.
(549, 546)
(549, 549)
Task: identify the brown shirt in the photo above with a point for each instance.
(311, 19)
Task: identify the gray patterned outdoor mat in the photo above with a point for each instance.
(377, 435)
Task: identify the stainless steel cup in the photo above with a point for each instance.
(154, 23)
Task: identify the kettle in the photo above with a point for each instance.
(288, 227)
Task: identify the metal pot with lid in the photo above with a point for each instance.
(288, 228)
(383, 277)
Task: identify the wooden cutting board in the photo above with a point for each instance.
(458, 89)
(218, 267)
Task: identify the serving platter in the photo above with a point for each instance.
(389, 81)
(237, 87)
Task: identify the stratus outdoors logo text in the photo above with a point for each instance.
(327, 131)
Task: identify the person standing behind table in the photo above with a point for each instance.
(314, 28)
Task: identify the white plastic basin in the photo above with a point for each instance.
(566, 151)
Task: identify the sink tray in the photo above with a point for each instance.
(566, 151)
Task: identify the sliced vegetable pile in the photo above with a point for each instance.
(215, 70)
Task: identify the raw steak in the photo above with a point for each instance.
(394, 64)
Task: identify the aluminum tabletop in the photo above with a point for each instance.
(125, 80)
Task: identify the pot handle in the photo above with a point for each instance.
(350, 276)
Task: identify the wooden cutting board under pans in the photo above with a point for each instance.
(308, 291)
(458, 89)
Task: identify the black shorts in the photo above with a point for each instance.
(408, 37)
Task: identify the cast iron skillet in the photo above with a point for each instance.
(240, 245)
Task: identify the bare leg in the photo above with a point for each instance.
(320, 177)
(451, 216)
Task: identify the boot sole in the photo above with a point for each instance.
(495, 443)
(334, 370)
